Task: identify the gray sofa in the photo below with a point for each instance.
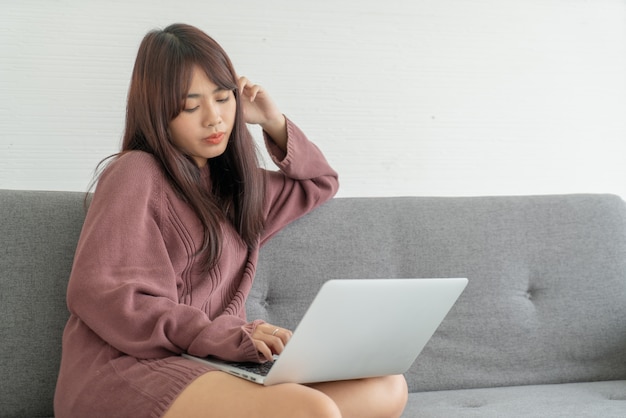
(540, 330)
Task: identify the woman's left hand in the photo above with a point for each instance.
(259, 109)
(269, 340)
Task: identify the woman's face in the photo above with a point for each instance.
(203, 128)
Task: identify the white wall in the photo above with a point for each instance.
(409, 97)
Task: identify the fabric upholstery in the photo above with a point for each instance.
(546, 298)
(539, 331)
(573, 400)
(38, 233)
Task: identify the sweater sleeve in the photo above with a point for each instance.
(304, 182)
(123, 284)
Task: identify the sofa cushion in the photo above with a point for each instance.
(545, 303)
(546, 299)
(592, 400)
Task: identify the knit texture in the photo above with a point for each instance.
(138, 297)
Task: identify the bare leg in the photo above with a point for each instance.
(222, 395)
(217, 394)
(375, 397)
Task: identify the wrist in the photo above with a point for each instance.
(275, 124)
(276, 129)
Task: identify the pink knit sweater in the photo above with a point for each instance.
(136, 294)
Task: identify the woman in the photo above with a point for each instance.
(168, 251)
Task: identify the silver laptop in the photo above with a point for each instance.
(356, 329)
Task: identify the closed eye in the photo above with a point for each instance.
(191, 110)
(223, 99)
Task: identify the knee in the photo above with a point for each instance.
(319, 405)
(311, 403)
(396, 394)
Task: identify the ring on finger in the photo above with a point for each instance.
(275, 332)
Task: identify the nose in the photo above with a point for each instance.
(212, 116)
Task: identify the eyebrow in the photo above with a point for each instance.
(196, 95)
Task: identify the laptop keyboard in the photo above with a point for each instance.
(258, 368)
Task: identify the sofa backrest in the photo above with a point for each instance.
(38, 235)
(546, 300)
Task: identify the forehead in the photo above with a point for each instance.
(201, 84)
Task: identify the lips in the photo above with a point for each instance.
(215, 139)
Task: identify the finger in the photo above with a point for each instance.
(283, 334)
(254, 91)
(241, 83)
(264, 350)
(275, 343)
(248, 88)
(274, 337)
(251, 91)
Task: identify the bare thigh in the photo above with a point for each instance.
(217, 394)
